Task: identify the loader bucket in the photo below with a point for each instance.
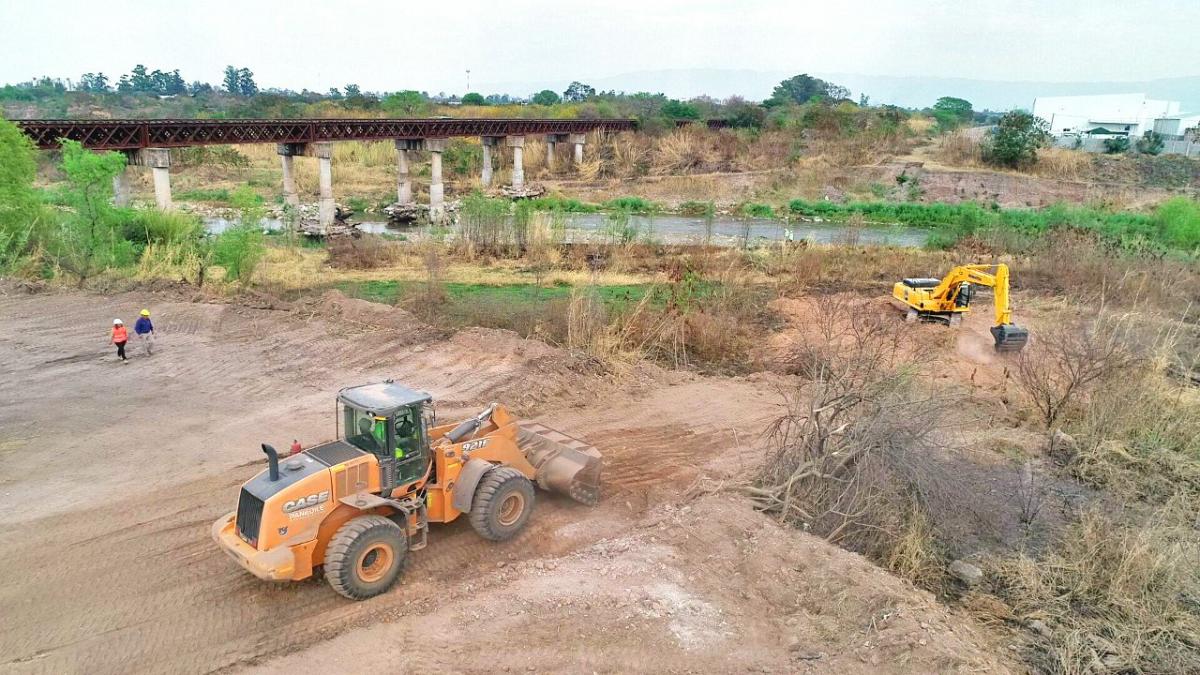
(565, 465)
(1010, 337)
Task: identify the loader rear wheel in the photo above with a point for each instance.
(365, 556)
(502, 503)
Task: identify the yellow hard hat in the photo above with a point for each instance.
(145, 312)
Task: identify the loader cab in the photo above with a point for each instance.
(391, 422)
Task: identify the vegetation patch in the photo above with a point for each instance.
(1174, 225)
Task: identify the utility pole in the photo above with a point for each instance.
(468, 80)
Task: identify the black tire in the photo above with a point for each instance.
(365, 557)
(502, 504)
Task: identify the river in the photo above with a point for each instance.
(673, 229)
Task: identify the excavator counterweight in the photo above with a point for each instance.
(948, 298)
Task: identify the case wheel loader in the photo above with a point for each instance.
(948, 298)
(358, 505)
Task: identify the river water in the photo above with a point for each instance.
(672, 229)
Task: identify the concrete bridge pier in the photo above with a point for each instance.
(437, 191)
(121, 188)
(578, 141)
(325, 205)
(286, 152)
(403, 177)
(517, 143)
(488, 142)
(159, 161)
(551, 143)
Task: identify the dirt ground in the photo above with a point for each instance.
(113, 473)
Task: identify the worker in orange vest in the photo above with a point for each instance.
(119, 337)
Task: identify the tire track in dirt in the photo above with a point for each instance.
(128, 579)
(156, 594)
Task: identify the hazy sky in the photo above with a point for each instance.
(403, 44)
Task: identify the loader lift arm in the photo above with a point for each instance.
(949, 297)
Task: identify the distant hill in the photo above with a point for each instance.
(911, 92)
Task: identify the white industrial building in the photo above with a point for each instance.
(1112, 114)
(1177, 125)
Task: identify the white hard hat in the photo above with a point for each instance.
(117, 322)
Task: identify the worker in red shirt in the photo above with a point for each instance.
(119, 337)
(296, 447)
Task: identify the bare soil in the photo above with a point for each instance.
(113, 473)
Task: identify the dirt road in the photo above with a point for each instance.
(113, 472)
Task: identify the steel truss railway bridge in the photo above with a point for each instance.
(148, 143)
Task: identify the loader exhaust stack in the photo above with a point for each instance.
(272, 461)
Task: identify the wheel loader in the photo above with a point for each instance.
(949, 298)
(357, 505)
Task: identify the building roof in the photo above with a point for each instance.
(382, 398)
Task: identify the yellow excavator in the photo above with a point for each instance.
(948, 298)
(357, 505)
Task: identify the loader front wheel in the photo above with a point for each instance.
(365, 556)
(502, 504)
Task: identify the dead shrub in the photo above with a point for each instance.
(431, 295)
(364, 252)
(709, 319)
(1064, 361)
(850, 458)
(1141, 436)
(851, 233)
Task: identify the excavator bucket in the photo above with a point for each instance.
(564, 464)
(1010, 337)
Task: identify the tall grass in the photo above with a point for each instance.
(487, 226)
(1115, 597)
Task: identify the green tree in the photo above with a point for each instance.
(139, 79)
(546, 97)
(239, 249)
(95, 83)
(335, 93)
(352, 91)
(232, 80)
(406, 102)
(804, 88)
(21, 209)
(951, 112)
(1151, 143)
(1116, 145)
(473, 99)
(679, 110)
(743, 114)
(89, 239)
(578, 92)
(1016, 138)
(246, 84)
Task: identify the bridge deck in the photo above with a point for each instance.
(133, 134)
